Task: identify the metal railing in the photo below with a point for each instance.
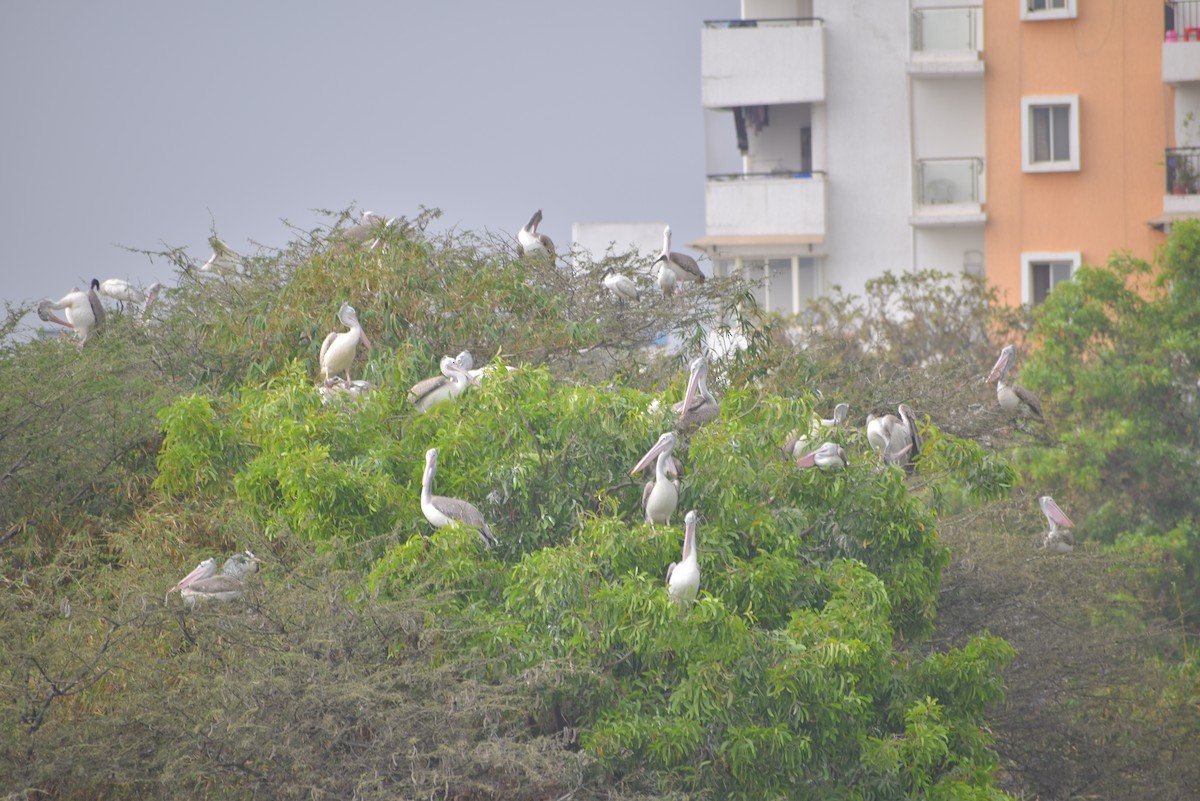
(1183, 170)
(772, 22)
(1183, 17)
(951, 29)
(783, 175)
(944, 181)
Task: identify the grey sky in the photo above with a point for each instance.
(142, 122)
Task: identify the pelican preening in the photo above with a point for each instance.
(797, 441)
(620, 285)
(683, 266)
(338, 349)
(529, 241)
(661, 496)
(1013, 399)
(450, 384)
(223, 261)
(830, 456)
(83, 311)
(896, 439)
(683, 577)
(440, 510)
(1059, 538)
(204, 584)
(698, 405)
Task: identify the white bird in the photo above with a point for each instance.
(895, 439)
(683, 265)
(529, 241)
(449, 385)
(151, 295)
(698, 405)
(1056, 540)
(223, 261)
(660, 496)
(797, 441)
(369, 231)
(1015, 400)
(620, 285)
(339, 348)
(665, 278)
(830, 456)
(440, 510)
(202, 585)
(683, 577)
(83, 311)
(121, 291)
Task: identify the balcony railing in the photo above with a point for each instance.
(780, 22)
(1183, 170)
(949, 30)
(765, 204)
(948, 181)
(785, 175)
(1183, 19)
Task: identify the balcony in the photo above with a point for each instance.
(948, 192)
(947, 42)
(762, 62)
(1181, 44)
(777, 208)
(1182, 191)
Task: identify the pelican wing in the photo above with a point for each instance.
(465, 513)
(332, 335)
(688, 265)
(423, 388)
(1030, 400)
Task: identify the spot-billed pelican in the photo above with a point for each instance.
(440, 510)
(683, 577)
(223, 261)
(529, 241)
(339, 348)
(895, 439)
(830, 456)
(227, 586)
(203, 570)
(1059, 538)
(1013, 399)
(797, 441)
(683, 265)
(698, 405)
(620, 285)
(83, 311)
(661, 496)
(152, 293)
(450, 384)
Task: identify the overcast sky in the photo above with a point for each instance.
(143, 123)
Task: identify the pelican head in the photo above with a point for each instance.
(697, 381)
(665, 444)
(1002, 364)
(431, 457)
(841, 413)
(1054, 514)
(241, 564)
(830, 456)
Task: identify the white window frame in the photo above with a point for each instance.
(1068, 11)
(1066, 165)
(1028, 260)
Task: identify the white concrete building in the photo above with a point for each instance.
(597, 237)
(845, 138)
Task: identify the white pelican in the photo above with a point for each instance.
(797, 441)
(450, 384)
(620, 285)
(440, 510)
(83, 311)
(529, 241)
(1055, 540)
(830, 456)
(121, 291)
(666, 279)
(683, 577)
(223, 261)
(684, 266)
(698, 405)
(339, 348)
(661, 496)
(1013, 399)
(227, 586)
(895, 439)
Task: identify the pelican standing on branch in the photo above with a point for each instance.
(1059, 538)
(1013, 399)
(440, 510)
(661, 496)
(529, 241)
(683, 265)
(683, 577)
(698, 405)
(339, 348)
(83, 310)
(449, 385)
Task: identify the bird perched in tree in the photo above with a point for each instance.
(1059, 538)
(83, 310)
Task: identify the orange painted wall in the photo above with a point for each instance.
(1111, 57)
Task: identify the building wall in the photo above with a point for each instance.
(1110, 56)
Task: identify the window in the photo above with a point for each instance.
(1041, 272)
(1050, 133)
(1036, 10)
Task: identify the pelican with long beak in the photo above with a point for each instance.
(895, 439)
(529, 241)
(440, 510)
(620, 285)
(1015, 400)
(1059, 538)
(339, 348)
(661, 496)
(203, 584)
(83, 311)
(449, 385)
(830, 456)
(683, 265)
(698, 405)
(683, 577)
